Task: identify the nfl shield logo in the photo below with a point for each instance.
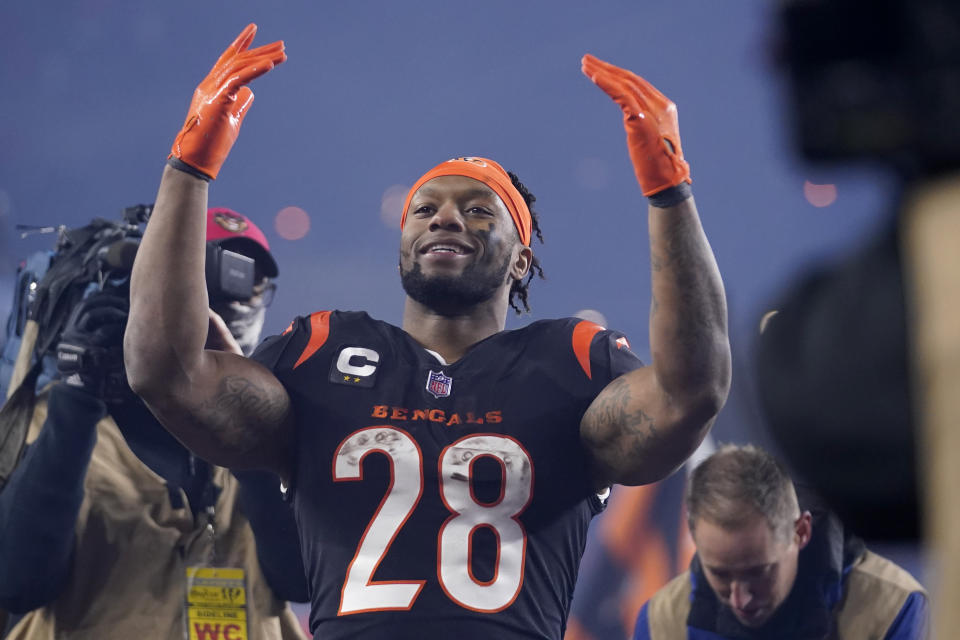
(438, 384)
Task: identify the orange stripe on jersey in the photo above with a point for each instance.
(319, 330)
(582, 336)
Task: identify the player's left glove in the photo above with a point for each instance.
(650, 118)
(221, 102)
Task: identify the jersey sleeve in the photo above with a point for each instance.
(603, 354)
(284, 352)
(616, 353)
(270, 353)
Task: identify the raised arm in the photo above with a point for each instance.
(226, 408)
(646, 423)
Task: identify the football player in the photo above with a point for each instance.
(444, 472)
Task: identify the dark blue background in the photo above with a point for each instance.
(374, 93)
(92, 93)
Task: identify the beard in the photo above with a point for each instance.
(245, 323)
(454, 295)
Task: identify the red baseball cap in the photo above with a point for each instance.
(236, 231)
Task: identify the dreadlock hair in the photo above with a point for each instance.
(519, 288)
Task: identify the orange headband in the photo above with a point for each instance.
(489, 173)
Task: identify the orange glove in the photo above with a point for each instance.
(650, 118)
(220, 103)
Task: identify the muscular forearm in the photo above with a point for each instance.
(645, 423)
(688, 314)
(168, 321)
(227, 409)
(39, 505)
(230, 411)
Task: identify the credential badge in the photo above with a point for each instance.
(438, 384)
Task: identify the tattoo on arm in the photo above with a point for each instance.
(238, 410)
(618, 435)
(670, 251)
(674, 250)
(694, 309)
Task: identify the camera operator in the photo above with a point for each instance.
(857, 371)
(107, 514)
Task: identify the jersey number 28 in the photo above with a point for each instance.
(361, 593)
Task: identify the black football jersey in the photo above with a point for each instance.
(441, 500)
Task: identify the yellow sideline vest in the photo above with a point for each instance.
(133, 548)
(874, 592)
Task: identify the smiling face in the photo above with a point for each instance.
(751, 567)
(459, 246)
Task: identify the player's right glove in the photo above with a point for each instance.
(90, 351)
(220, 103)
(650, 118)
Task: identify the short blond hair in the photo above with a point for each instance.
(737, 483)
